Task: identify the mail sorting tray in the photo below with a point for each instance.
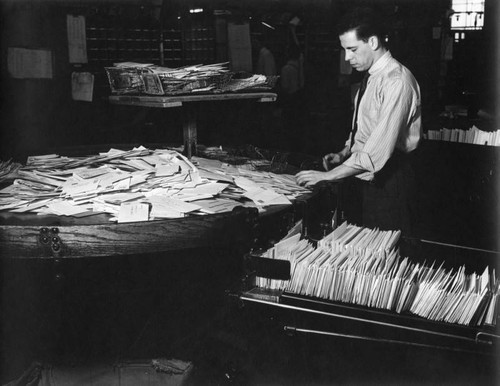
(307, 314)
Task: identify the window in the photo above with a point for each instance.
(469, 15)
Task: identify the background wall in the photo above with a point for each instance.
(40, 114)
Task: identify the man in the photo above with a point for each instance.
(266, 64)
(386, 127)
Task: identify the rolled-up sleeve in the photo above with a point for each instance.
(383, 118)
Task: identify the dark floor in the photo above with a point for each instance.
(177, 306)
(253, 349)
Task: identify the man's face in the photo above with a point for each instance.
(358, 53)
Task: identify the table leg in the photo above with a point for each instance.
(189, 130)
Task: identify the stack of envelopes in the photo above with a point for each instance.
(140, 185)
(363, 266)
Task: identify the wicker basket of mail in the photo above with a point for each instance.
(126, 80)
(211, 83)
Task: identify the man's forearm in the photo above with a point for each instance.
(342, 171)
(312, 177)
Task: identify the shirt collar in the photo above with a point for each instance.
(380, 63)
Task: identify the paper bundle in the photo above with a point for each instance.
(140, 185)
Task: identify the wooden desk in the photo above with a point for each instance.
(190, 111)
(31, 236)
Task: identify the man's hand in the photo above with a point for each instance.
(309, 178)
(332, 159)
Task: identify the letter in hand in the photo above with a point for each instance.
(331, 159)
(308, 178)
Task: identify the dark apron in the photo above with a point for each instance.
(388, 202)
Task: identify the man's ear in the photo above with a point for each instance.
(374, 42)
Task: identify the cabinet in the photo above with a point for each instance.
(458, 197)
(303, 314)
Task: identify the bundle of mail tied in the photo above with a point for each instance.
(363, 266)
(141, 185)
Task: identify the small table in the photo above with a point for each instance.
(190, 110)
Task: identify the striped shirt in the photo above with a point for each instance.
(389, 117)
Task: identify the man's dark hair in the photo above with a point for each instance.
(366, 22)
